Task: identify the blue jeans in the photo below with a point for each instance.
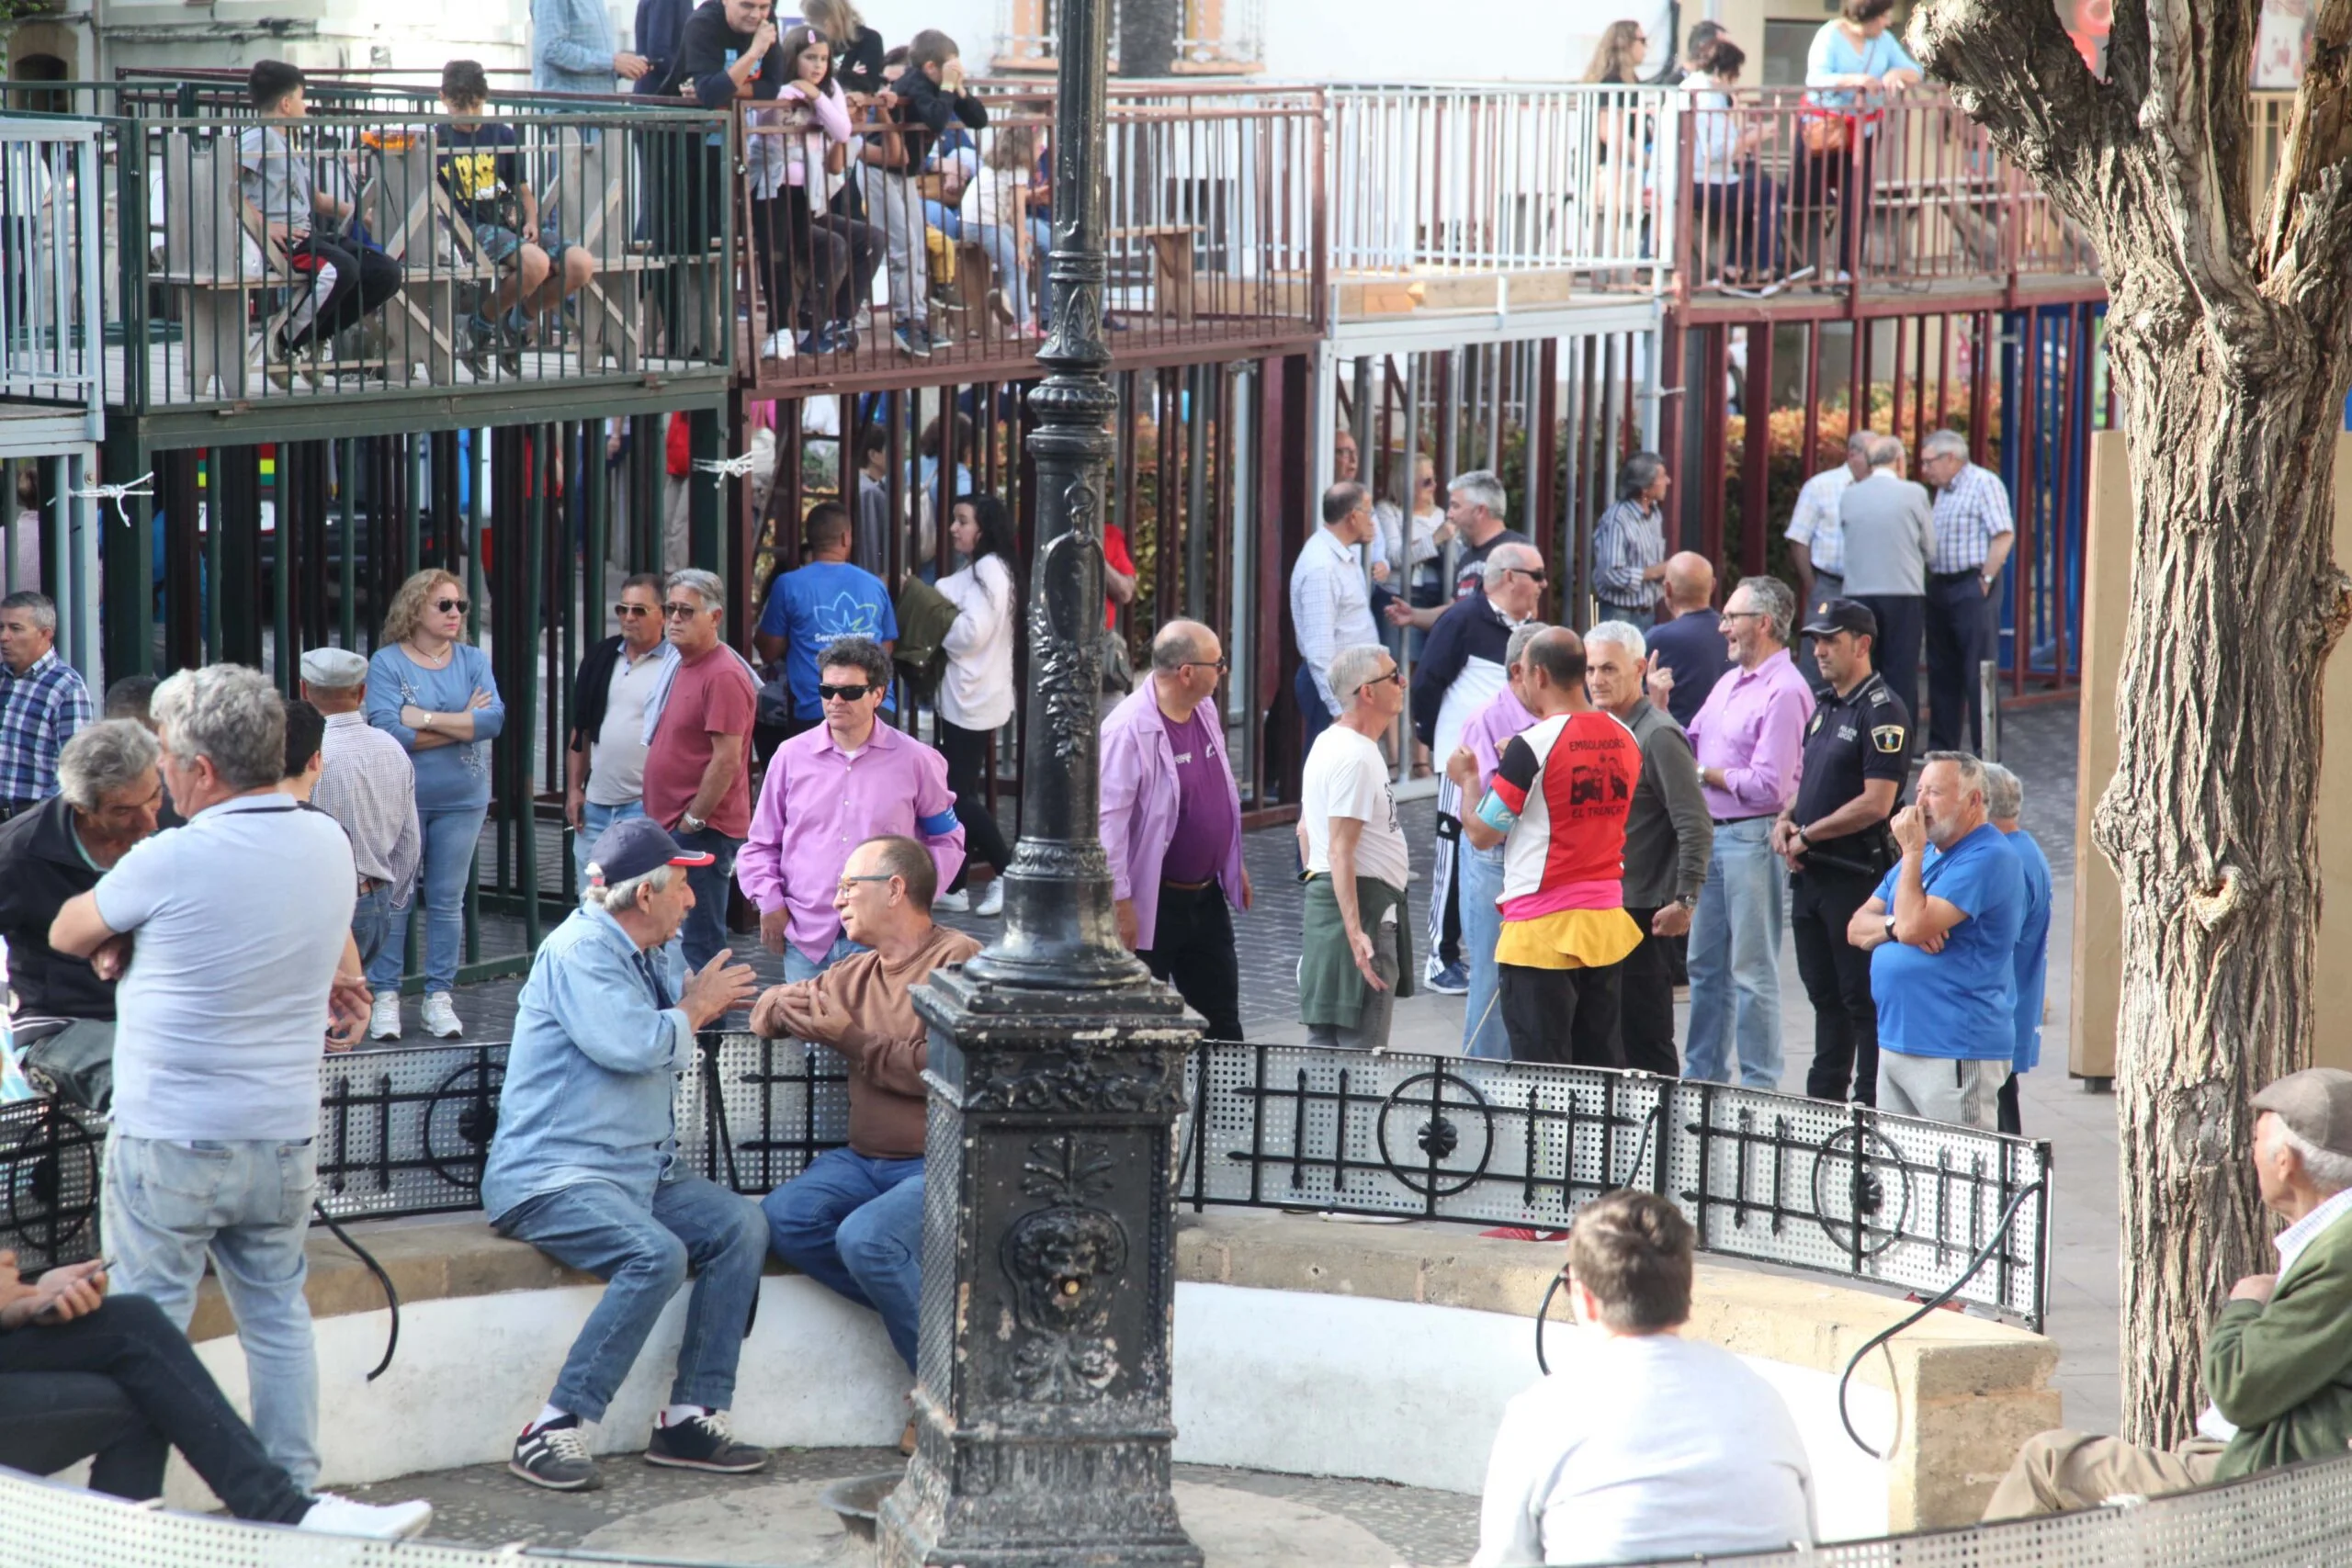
(705, 932)
(248, 1204)
(799, 966)
(1481, 874)
(1735, 947)
(449, 841)
(643, 1255)
(854, 1225)
(594, 820)
(1003, 247)
(371, 925)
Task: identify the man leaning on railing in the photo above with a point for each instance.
(2278, 1364)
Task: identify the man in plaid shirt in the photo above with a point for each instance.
(43, 702)
(1974, 528)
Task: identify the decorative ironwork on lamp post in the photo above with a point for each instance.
(1056, 1065)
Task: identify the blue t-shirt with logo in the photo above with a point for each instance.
(1960, 1003)
(2033, 948)
(811, 606)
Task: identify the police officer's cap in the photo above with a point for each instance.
(1834, 616)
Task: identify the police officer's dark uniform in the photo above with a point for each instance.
(1864, 735)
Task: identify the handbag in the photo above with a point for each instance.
(1825, 134)
(69, 1059)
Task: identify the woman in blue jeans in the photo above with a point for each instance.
(436, 695)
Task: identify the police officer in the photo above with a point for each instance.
(1834, 838)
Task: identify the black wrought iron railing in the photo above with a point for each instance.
(1767, 1177)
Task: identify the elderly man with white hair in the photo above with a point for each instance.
(1889, 533)
(110, 791)
(1356, 953)
(698, 724)
(1943, 935)
(2003, 800)
(1974, 528)
(584, 1165)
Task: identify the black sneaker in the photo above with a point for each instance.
(556, 1457)
(704, 1443)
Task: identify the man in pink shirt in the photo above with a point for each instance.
(1488, 731)
(1749, 738)
(829, 790)
(1171, 818)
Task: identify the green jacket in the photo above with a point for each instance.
(2282, 1369)
(1331, 987)
(924, 614)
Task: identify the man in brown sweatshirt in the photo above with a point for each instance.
(853, 1221)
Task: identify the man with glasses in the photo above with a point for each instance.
(698, 750)
(853, 1221)
(1355, 952)
(1171, 825)
(604, 767)
(1461, 671)
(850, 779)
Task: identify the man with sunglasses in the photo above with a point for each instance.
(604, 767)
(1461, 670)
(1171, 825)
(850, 779)
(698, 750)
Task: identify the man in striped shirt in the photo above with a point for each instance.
(1974, 529)
(1629, 544)
(43, 702)
(369, 785)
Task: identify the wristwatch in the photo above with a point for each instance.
(1687, 900)
(693, 824)
(1802, 839)
(1890, 930)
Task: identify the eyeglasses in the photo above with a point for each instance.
(1533, 574)
(1743, 614)
(682, 612)
(446, 606)
(849, 884)
(631, 612)
(846, 693)
(1429, 481)
(1218, 664)
(1397, 675)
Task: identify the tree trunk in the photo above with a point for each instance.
(1149, 33)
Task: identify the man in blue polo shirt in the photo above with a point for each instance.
(2005, 800)
(1943, 935)
(810, 607)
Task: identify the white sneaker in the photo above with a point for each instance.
(953, 903)
(384, 1017)
(330, 1515)
(779, 346)
(441, 1017)
(992, 900)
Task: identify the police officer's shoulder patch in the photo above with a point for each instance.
(1887, 738)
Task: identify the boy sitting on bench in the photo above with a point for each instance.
(281, 200)
(479, 162)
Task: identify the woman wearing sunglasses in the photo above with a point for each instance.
(434, 694)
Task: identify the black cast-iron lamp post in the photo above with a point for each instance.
(1043, 1421)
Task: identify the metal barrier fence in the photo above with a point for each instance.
(1769, 1178)
(52, 296)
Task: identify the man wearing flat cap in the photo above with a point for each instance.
(2279, 1360)
(369, 785)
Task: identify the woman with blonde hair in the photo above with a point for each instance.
(433, 694)
(1617, 58)
(857, 48)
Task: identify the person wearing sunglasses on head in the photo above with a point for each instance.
(604, 765)
(433, 693)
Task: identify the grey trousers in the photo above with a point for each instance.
(1942, 1089)
(1371, 1032)
(2058, 1471)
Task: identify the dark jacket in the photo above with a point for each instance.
(41, 868)
(928, 111)
(1669, 834)
(1469, 629)
(590, 688)
(857, 66)
(659, 24)
(705, 46)
(1691, 644)
(2282, 1369)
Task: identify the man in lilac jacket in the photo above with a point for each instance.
(1171, 826)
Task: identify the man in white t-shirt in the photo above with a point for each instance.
(1641, 1445)
(1356, 957)
(236, 933)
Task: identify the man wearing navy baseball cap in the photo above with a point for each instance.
(584, 1163)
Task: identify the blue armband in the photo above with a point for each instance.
(1495, 815)
(938, 825)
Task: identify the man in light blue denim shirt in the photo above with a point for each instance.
(584, 1163)
(571, 49)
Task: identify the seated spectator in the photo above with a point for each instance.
(1000, 223)
(853, 1221)
(480, 162)
(932, 104)
(834, 255)
(1641, 1445)
(283, 203)
(111, 1381)
(584, 1163)
(111, 788)
(811, 605)
(2277, 1363)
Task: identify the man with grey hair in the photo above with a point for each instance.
(43, 702)
(584, 1165)
(1475, 506)
(1459, 674)
(1629, 544)
(368, 785)
(2003, 800)
(1331, 602)
(2278, 1367)
(1171, 818)
(1816, 540)
(217, 1042)
(698, 750)
(1889, 533)
(1943, 935)
(1480, 872)
(110, 791)
(1356, 953)
(1974, 528)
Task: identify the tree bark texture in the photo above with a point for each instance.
(2228, 344)
(1149, 33)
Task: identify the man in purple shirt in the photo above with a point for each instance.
(1749, 738)
(1488, 731)
(1171, 826)
(829, 790)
